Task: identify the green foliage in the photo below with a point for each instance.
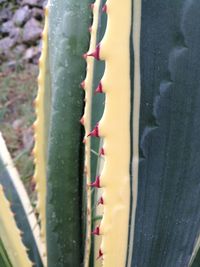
(164, 220)
(67, 42)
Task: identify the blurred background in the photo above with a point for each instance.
(21, 24)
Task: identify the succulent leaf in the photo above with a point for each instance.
(21, 207)
(68, 40)
(156, 112)
(144, 60)
(10, 235)
(166, 214)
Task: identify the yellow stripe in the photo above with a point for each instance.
(136, 113)
(40, 136)
(115, 128)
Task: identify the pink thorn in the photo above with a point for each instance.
(101, 201)
(100, 254)
(102, 152)
(96, 183)
(84, 141)
(96, 53)
(85, 55)
(104, 8)
(95, 131)
(92, 6)
(99, 88)
(90, 29)
(83, 85)
(96, 231)
(82, 120)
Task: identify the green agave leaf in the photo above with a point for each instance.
(12, 250)
(167, 214)
(68, 41)
(20, 205)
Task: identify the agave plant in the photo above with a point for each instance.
(124, 188)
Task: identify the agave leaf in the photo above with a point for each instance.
(10, 235)
(21, 206)
(164, 205)
(114, 128)
(167, 212)
(67, 43)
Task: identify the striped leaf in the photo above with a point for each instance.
(167, 212)
(15, 254)
(21, 207)
(150, 128)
